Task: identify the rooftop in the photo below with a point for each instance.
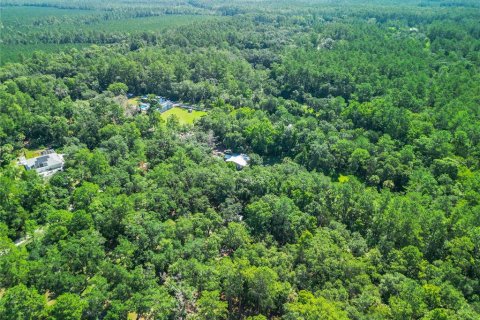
(46, 164)
(241, 160)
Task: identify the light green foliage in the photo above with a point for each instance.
(28, 29)
(118, 88)
(307, 307)
(210, 306)
(361, 199)
(183, 116)
(67, 306)
(21, 302)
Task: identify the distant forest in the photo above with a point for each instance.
(361, 122)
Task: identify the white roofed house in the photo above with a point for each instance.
(46, 164)
(241, 160)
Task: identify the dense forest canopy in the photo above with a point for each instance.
(361, 122)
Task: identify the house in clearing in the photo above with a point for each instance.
(240, 160)
(48, 163)
(165, 105)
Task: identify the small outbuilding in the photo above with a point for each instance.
(240, 160)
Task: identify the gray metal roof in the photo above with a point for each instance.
(48, 161)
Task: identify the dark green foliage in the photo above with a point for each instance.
(361, 200)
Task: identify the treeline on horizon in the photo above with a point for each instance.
(361, 199)
(75, 26)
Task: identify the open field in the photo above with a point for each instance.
(184, 117)
(134, 101)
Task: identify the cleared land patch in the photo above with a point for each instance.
(184, 117)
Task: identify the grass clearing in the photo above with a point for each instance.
(32, 153)
(134, 101)
(184, 117)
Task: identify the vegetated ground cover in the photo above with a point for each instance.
(18, 52)
(32, 153)
(30, 29)
(28, 154)
(24, 16)
(361, 199)
(184, 117)
(52, 19)
(145, 24)
(134, 101)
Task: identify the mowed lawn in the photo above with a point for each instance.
(134, 101)
(184, 117)
(32, 153)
